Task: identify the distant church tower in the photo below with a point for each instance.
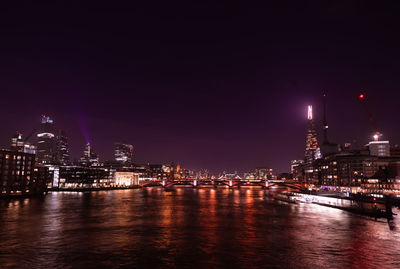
(313, 151)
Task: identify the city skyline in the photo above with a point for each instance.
(226, 90)
(199, 134)
(319, 135)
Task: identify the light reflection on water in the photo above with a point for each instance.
(147, 228)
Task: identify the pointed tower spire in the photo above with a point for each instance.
(312, 151)
(309, 112)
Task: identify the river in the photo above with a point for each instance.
(189, 228)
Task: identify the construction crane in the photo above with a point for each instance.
(377, 134)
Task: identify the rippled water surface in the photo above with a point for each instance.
(188, 228)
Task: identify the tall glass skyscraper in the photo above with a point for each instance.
(46, 141)
(123, 153)
(62, 148)
(89, 158)
(312, 151)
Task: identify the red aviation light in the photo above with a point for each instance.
(361, 96)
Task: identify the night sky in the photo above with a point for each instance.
(217, 86)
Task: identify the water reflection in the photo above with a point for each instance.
(188, 227)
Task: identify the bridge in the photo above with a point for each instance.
(230, 183)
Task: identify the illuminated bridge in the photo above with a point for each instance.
(231, 183)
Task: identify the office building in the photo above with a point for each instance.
(312, 151)
(16, 174)
(294, 164)
(379, 148)
(264, 173)
(72, 177)
(17, 144)
(63, 157)
(46, 142)
(30, 148)
(89, 158)
(20, 145)
(123, 153)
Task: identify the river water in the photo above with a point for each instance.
(189, 228)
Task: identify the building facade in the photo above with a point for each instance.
(354, 168)
(379, 148)
(62, 156)
(17, 144)
(75, 177)
(89, 158)
(123, 153)
(297, 170)
(126, 179)
(264, 173)
(46, 142)
(17, 174)
(312, 151)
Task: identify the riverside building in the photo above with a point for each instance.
(17, 174)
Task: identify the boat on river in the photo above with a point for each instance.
(287, 197)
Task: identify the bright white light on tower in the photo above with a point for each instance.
(309, 114)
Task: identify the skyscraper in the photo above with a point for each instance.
(17, 144)
(312, 151)
(123, 153)
(62, 148)
(89, 158)
(46, 141)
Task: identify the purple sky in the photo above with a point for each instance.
(223, 87)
